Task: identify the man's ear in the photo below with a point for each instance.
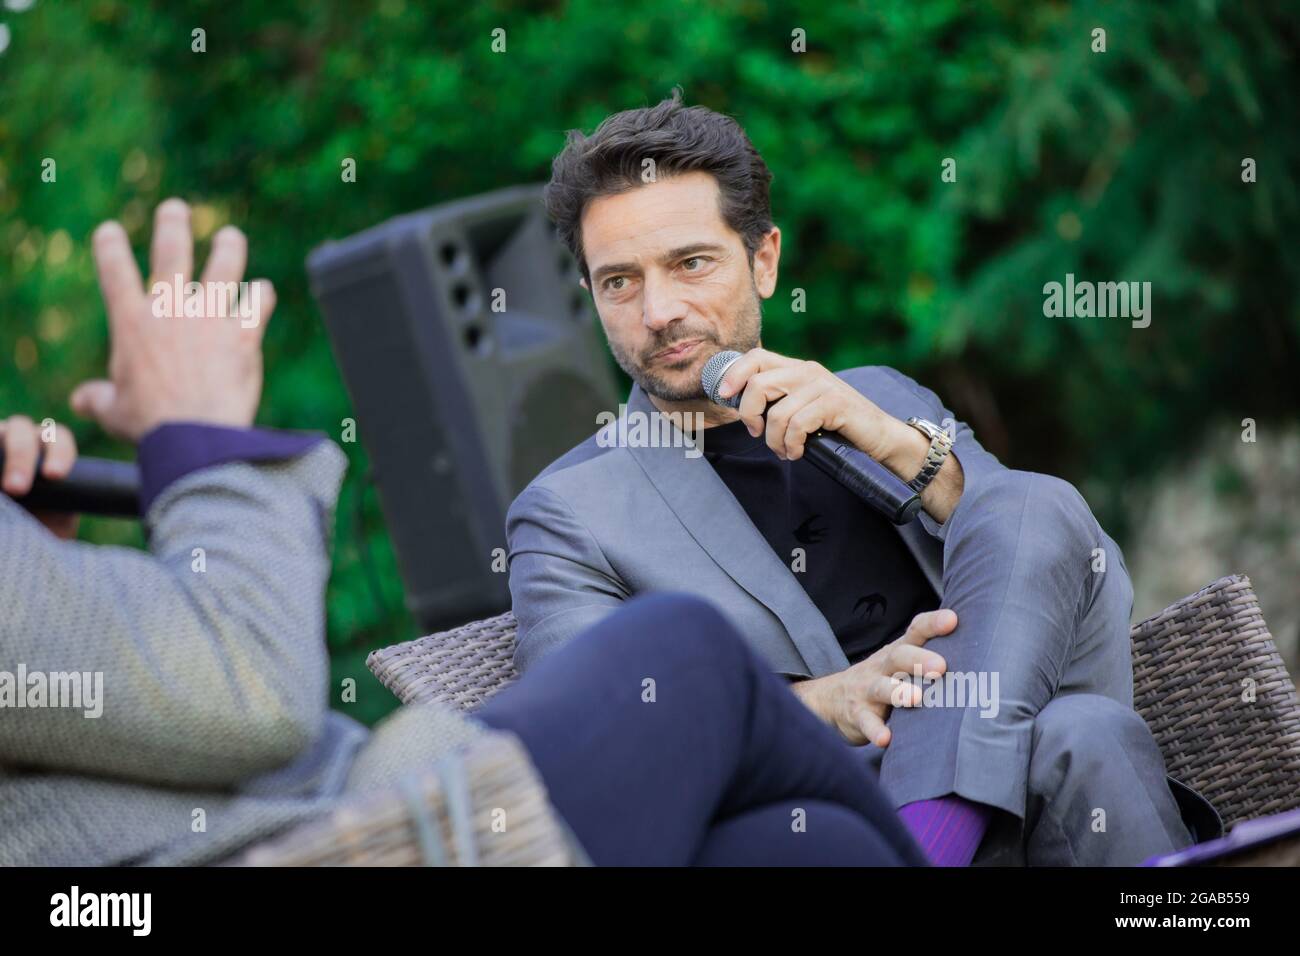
(583, 283)
(766, 259)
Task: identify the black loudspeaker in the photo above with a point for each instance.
(474, 360)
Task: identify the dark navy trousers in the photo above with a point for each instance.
(664, 741)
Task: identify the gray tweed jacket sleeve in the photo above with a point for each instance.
(210, 645)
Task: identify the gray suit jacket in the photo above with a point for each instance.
(214, 731)
(214, 680)
(604, 523)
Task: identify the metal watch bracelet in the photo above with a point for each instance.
(940, 446)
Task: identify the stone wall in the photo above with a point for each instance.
(1232, 507)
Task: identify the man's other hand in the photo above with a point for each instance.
(857, 701)
(165, 366)
(23, 442)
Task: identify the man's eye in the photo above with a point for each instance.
(609, 283)
(686, 263)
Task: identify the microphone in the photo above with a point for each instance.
(855, 470)
(94, 486)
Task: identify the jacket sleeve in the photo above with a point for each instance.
(210, 647)
(977, 465)
(560, 581)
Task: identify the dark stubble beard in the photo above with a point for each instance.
(745, 335)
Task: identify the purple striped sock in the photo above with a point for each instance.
(948, 828)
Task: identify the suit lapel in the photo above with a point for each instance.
(712, 516)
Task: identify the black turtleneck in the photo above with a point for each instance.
(858, 571)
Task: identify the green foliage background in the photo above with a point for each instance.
(1117, 165)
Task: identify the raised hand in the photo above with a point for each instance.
(201, 365)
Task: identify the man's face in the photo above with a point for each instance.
(672, 282)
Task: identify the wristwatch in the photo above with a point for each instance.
(940, 445)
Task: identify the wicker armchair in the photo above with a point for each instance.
(1207, 678)
(1211, 685)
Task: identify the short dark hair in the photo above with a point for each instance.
(680, 139)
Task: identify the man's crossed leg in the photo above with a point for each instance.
(1042, 599)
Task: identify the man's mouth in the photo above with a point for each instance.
(678, 350)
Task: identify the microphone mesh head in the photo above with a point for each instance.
(711, 378)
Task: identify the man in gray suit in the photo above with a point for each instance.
(1006, 572)
(171, 706)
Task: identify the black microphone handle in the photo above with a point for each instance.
(94, 486)
(863, 475)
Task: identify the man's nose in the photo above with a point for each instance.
(661, 304)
